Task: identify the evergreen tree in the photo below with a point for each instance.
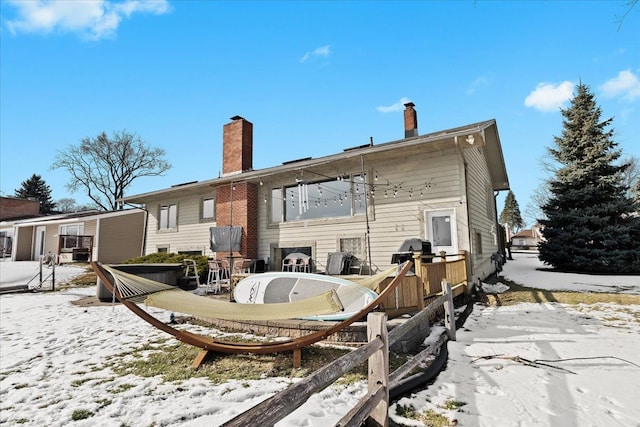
(589, 224)
(36, 188)
(510, 215)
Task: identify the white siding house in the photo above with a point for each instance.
(109, 237)
(366, 200)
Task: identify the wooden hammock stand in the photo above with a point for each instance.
(209, 345)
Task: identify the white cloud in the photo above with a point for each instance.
(480, 81)
(626, 84)
(549, 97)
(394, 107)
(93, 19)
(322, 51)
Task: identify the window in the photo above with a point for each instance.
(478, 239)
(276, 205)
(208, 209)
(324, 199)
(168, 217)
(163, 249)
(352, 245)
(190, 253)
(69, 235)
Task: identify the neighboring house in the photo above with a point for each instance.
(110, 237)
(527, 239)
(365, 200)
(13, 208)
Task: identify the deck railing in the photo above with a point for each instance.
(412, 293)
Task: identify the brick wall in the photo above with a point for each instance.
(11, 208)
(243, 211)
(237, 146)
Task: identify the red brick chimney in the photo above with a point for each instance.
(237, 146)
(410, 120)
(237, 203)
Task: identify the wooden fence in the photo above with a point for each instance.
(373, 407)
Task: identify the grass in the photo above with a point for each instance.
(81, 414)
(80, 281)
(519, 294)
(172, 362)
(428, 417)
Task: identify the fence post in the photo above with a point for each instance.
(379, 367)
(417, 265)
(449, 315)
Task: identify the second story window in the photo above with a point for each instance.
(208, 209)
(168, 219)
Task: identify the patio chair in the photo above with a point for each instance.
(290, 264)
(242, 266)
(215, 277)
(304, 264)
(191, 271)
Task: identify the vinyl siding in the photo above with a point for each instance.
(191, 234)
(481, 212)
(391, 219)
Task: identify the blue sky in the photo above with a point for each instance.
(313, 77)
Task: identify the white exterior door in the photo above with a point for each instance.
(442, 230)
(38, 248)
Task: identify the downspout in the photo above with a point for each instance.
(366, 211)
(96, 242)
(499, 235)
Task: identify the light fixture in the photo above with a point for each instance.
(261, 183)
(470, 139)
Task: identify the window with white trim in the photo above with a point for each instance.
(341, 197)
(69, 235)
(208, 209)
(168, 217)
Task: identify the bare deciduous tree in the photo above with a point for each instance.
(105, 167)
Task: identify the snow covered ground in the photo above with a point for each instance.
(53, 354)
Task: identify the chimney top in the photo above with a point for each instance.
(234, 118)
(410, 120)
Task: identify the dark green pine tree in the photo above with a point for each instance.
(36, 188)
(510, 215)
(589, 225)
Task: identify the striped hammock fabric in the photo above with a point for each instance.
(155, 294)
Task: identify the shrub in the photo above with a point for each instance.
(169, 258)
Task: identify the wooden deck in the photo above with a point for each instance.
(412, 295)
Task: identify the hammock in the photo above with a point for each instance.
(373, 282)
(159, 295)
(208, 344)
